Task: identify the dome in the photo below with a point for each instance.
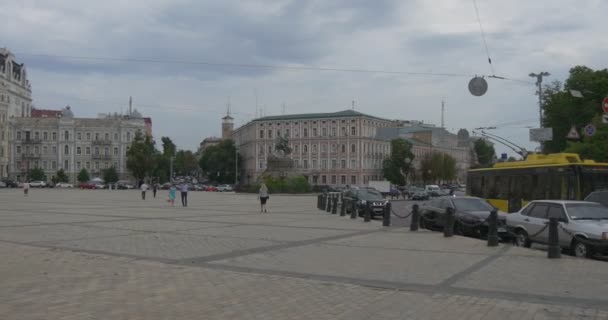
(67, 112)
(136, 114)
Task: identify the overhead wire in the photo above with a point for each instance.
(483, 37)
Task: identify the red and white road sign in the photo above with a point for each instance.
(605, 105)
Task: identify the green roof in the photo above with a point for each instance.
(339, 114)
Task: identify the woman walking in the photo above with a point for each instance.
(172, 192)
(263, 196)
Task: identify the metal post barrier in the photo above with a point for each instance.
(554, 251)
(343, 208)
(318, 201)
(414, 222)
(353, 213)
(323, 202)
(386, 215)
(328, 208)
(448, 228)
(493, 229)
(334, 207)
(368, 213)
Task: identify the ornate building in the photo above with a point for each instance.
(338, 148)
(58, 140)
(15, 100)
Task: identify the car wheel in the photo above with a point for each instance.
(522, 239)
(581, 250)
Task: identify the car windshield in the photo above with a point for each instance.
(369, 195)
(599, 197)
(472, 204)
(587, 211)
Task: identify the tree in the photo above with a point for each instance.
(61, 176)
(110, 175)
(563, 111)
(141, 156)
(83, 176)
(218, 162)
(37, 174)
(396, 168)
(185, 162)
(484, 151)
(168, 147)
(438, 166)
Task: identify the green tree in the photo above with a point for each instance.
(61, 176)
(185, 162)
(484, 151)
(218, 162)
(396, 168)
(37, 174)
(563, 111)
(168, 147)
(110, 175)
(83, 176)
(438, 166)
(141, 156)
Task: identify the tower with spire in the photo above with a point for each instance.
(227, 124)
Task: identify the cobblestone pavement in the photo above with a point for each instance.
(72, 254)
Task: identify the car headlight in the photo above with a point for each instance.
(363, 202)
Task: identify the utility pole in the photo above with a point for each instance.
(442, 114)
(236, 165)
(539, 82)
(171, 169)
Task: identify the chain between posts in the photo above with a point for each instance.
(401, 217)
(584, 240)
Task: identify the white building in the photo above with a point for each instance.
(337, 148)
(15, 100)
(64, 142)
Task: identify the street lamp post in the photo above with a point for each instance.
(171, 169)
(539, 81)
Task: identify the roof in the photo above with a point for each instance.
(339, 114)
(41, 113)
(563, 201)
(545, 160)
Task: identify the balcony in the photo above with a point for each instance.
(101, 142)
(32, 141)
(102, 156)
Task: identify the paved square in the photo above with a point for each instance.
(98, 254)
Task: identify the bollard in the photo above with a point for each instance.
(368, 213)
(328, 200)
(322, 202)
(334, 207)
(353, 213)
(493, 229)
(343, 208)
(415, 217)
(386, 215)
(554, 251)
(448, 228)
(318, 201)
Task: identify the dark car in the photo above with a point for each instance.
(419, 194)
(600, 197)
(11, 183)
(363, 197)
(471, 216)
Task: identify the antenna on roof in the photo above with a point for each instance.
(228, 107)
(256, 102)
(130, 105)
(442, 114)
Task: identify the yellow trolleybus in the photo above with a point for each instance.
(561, 176)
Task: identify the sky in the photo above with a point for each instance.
(184, 61)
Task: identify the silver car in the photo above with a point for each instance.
(583, 229)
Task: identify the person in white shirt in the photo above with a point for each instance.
(26, 188)
(143, 188)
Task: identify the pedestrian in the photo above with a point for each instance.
(144, 188)
(154, 188)
(26, 188)
(263, 196)
(172, 192)
(184, 193)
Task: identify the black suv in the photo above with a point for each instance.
(11, 183)
(362, 197)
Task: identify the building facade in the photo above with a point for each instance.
(15, 100)
(337, 149)
(72, 144)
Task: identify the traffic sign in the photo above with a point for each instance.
(605, 118)
(478, 86)
(541, 134)
(573, 134)
(589, 130)
(605, 105)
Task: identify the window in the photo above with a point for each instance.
(107, 137)
(128, 136)
(353, 148)
(36, 150)
(66, 135)
(36, 136)
(334, 163)
(261, 164)
(96, 165)
(96, 150)
(333, 147)
(45, 149)
(269, 149)
(116, 164)
(353, 163)
(18, 135)
(278, 132)
(54, 150)
(97, 136)
(324, 132)
(116, 137)
(333, 180)
(556, 211)
(286, 133)
(305, 164)
(45, 135)
(88, 165)
(314, 132)
(323, 164)
(305, 132)
(343, 179)
(106, 165)
(45, 165)
(353, 131)
(343, 162)
(78, 165)
(305, 148)
(261, 134)
(323, 148)
(88, 136)
(539, 211)
(343, 131)
(115, 151)
(269, 133)
(18, 149)
(54, 136)
(106, 151)
(314, 148)
(296, 132)
(343, 148)
(296, 163)
(66, 150)
(78, 150)
(53, 165)
(353, 179)
(314, 164)
(333, 132)
(297, 148)
(79, 135)
(88, 151)
(324, 179)
(315, 179)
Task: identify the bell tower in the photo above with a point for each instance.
(227, 124)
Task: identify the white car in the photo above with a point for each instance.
(64, 185)
(37, 184)
(224, 188)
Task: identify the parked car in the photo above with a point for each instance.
(37, 184)
(600, 197)
(471, 216)
(364, 196)
(583, 230)
(87, 185)
(11, 183)
(2, 184)
(211, 189)
(224, 188)
(64, 185)
(433, 190)
(419, 194)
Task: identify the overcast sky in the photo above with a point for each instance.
(187, 100)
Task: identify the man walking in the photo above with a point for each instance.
(26, 188)
(144, 188)
(184, 192)
(154, 187)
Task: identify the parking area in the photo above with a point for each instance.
(87, 254)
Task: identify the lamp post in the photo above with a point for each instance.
(171, 169)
